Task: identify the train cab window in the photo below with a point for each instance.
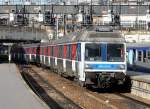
(92, 52)
(139, 55)
(115, 52)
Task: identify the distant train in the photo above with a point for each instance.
(92, 57)
(139, 57)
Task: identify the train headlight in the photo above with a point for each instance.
(87, 66)
(122, 66)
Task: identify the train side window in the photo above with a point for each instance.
(139, 55)
(30, 50)
(48, 51)
(51, 51)
(68, 51)
(26, 50)
(64, 51)
(148, 54)
(34, 50)
(61, 49)
(45, 51)
(78, 52)
(73, 51)
(144, 56)
(56, 51)
(38, 50)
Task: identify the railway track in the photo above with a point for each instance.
(75, 101)
(52, 97)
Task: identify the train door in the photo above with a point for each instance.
(130, 57)
(45, 55)
(74, 48)
(81, 62)
(64, 57)
(30, 54)
(56, 55)
(48, 54)
(40, 54)
(34, 54)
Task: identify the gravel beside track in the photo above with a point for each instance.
(82, 97)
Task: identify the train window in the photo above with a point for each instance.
(68, 51)
(35, 50)
(45, 51)
(48, 51)
(40, 50)
(139, 55)
(56, 51)
(92, 52)
(51, 51)
(31, 50)
(144, 56)
(61, 51)
(115, 52)
(78, 52)
(65, 51)
(26, 50)
(74, 51)
(148, 54)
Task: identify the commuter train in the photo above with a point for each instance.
(92, 57)
(138, 57)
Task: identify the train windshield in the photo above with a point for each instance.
(115, 52)
(92, 52)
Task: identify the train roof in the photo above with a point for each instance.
(138, 45)
(86, 36)
(91, 36)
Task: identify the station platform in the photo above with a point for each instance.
(140, 84)
(14, 92)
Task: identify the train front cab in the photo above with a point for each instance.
(104, 62)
